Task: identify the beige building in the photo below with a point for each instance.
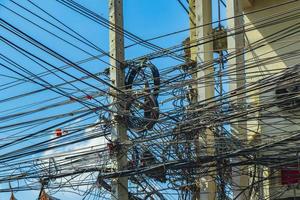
(271, 35)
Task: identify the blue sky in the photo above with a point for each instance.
(145, 18)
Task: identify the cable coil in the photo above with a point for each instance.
(145, 99)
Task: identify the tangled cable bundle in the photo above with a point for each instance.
(60, 132)
(143, 107)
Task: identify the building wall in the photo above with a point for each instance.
(269, 53)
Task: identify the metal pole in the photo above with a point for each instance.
(117, 75)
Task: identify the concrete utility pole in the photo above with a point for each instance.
(236, 47)
(195, 191)
(117, 76)
(201, 14)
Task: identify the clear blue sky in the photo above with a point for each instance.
(145, 18)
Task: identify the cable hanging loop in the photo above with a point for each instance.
(143, 90)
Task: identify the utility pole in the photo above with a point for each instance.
(117, 76)
(195, 187)
(201, 14)
(236, 45)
